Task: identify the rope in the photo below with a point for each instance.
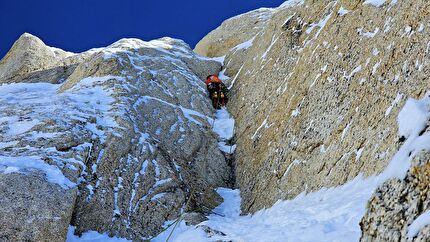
(174, 227)
(178, 220)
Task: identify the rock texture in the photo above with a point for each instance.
(122, 145)
(397, 203)
(317, 93)
(233, 32)
(33, 209)
(30, 60)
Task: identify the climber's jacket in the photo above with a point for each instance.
(212, 79)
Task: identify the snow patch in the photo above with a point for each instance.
(419, 223)
(245, 45)
(25, 164)
(376, 3)
(294, 163)
(414, 116)
(342, 11)
(224, 127)
(264, 124)
(223, 124)
(274, 39)
(396, 100)
(92, 236)
(321, 24)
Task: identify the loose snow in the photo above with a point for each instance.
(223, 124)
(329, 215)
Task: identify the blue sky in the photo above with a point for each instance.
(78, 25)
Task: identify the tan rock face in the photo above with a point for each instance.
(30, 60)
(130, 127)
(233, 32)
(317, 94)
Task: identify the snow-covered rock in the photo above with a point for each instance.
(119, 144)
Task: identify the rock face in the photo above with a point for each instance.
(397, 203)
(316, 94)
(233, 32)
(33, 209)
(30, 60)
(124, 131)
(122, 145)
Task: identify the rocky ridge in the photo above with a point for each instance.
(118, 141)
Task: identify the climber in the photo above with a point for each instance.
(217, 91)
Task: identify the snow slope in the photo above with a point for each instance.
(326, 215)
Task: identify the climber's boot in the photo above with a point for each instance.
(215, 102)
